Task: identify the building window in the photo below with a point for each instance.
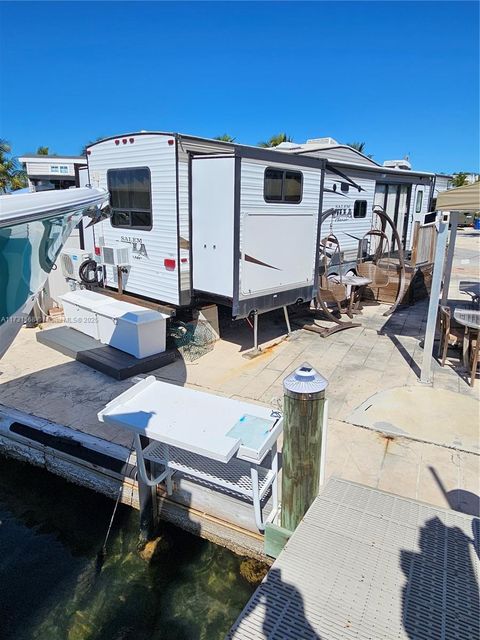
(418, 203)
(130, 197)
(54, 168)
(63, 168)
(282, 185)
(360, 209)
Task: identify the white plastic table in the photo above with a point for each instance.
(209, 437)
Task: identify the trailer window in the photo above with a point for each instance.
(130, 197)
(418, 203)
(282, 185)
(360, 209)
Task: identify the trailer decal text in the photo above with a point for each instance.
(139, 250)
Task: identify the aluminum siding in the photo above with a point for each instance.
(147, 275)
(349, 230)
(186, 148)
(252, 202)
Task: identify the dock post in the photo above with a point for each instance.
(304, 409)
(147, 498)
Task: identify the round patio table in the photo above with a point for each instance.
(356, 283)
(470, 319)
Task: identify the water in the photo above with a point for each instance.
(50, 589)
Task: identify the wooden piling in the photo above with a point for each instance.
(304, 406)
(147, 498)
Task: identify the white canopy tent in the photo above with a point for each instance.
(465, 198)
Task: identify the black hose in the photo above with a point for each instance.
(87, 271)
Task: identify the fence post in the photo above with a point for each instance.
(304, 408)
(435, 289)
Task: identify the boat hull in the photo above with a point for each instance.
(28, 251)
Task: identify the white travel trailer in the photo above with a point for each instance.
(354, 184)
(195, 218)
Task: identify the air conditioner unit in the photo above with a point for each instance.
(70, 261)
(115, 256)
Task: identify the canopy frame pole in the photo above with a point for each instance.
(426, 372)
(450, 252)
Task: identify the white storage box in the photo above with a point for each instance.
(133, 329)
(111, 312)
(80, 310)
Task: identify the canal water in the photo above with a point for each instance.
(50, 586)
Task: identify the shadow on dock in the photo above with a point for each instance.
(441, 593)
(283, 612)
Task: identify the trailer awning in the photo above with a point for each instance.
(465, 198)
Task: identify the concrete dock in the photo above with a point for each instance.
(53, 393)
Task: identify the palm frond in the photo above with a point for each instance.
(275, 140)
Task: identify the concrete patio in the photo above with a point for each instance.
(361, 364)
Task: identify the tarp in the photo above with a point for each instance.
(465, 198)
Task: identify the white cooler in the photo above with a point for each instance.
(133, 329)
(80, 310)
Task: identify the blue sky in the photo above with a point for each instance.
(401, 76)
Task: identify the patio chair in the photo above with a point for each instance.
(331, 289)
(378, 269)
(451, 333)
(474, 354)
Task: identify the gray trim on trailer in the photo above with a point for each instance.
(383, 170)
(319, 231)
(190, 224)
(270, 155)
(272, 301)
(181, 301)
(236, 235)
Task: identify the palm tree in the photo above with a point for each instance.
(225, 138)
(11, 176)
(42, 151)
(276, 140)
(460, 179)
(358, 146)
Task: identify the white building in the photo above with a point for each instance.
(52, 172)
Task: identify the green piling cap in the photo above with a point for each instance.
(305, 380)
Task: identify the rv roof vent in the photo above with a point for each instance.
(287, 146)
(322, 141)
(398, 164)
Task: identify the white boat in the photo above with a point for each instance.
(33, 230)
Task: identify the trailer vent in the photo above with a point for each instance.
(115, 256)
